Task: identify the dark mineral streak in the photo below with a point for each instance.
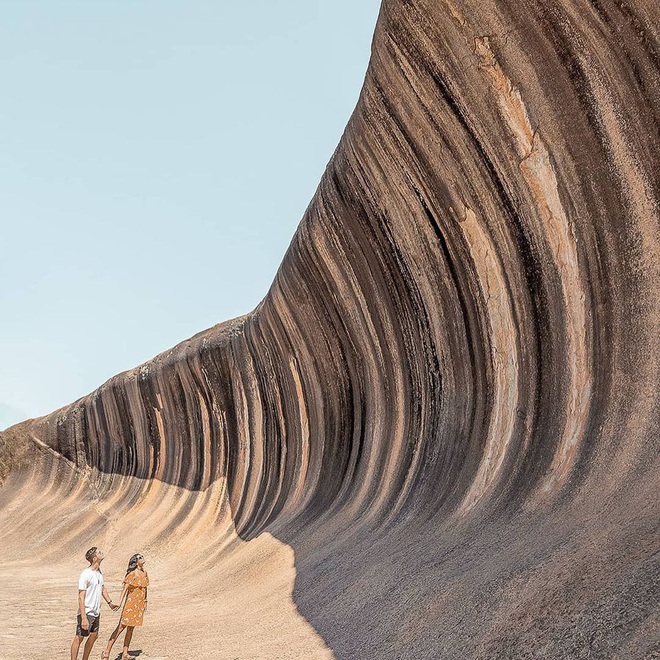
(448, 402)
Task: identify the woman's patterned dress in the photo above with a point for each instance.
(133, 611)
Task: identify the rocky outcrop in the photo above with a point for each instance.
(447, 403)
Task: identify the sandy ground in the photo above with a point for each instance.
(212, 595)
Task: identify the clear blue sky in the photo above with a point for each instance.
(156, 158)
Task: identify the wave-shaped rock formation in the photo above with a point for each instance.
(448, 402)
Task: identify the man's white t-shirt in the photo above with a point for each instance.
(92, 582)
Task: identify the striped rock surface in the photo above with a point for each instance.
(448, 403)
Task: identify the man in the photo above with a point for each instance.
(90, 590)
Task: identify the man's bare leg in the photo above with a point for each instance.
(127, 642)
(88, 645)
(75, 645)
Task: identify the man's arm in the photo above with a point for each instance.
(107, 599)
(81, 607)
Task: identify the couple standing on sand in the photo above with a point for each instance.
(90, 590)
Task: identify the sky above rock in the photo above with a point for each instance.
(156, 159)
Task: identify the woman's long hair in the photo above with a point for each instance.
(132, 563)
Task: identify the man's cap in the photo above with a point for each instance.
(89, 555)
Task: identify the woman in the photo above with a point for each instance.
(135, 592)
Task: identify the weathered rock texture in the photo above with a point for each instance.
(448, 402)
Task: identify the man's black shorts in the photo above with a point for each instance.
(93, 625)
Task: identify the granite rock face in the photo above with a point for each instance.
(448, 402)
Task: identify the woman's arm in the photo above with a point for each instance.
(124, 591)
